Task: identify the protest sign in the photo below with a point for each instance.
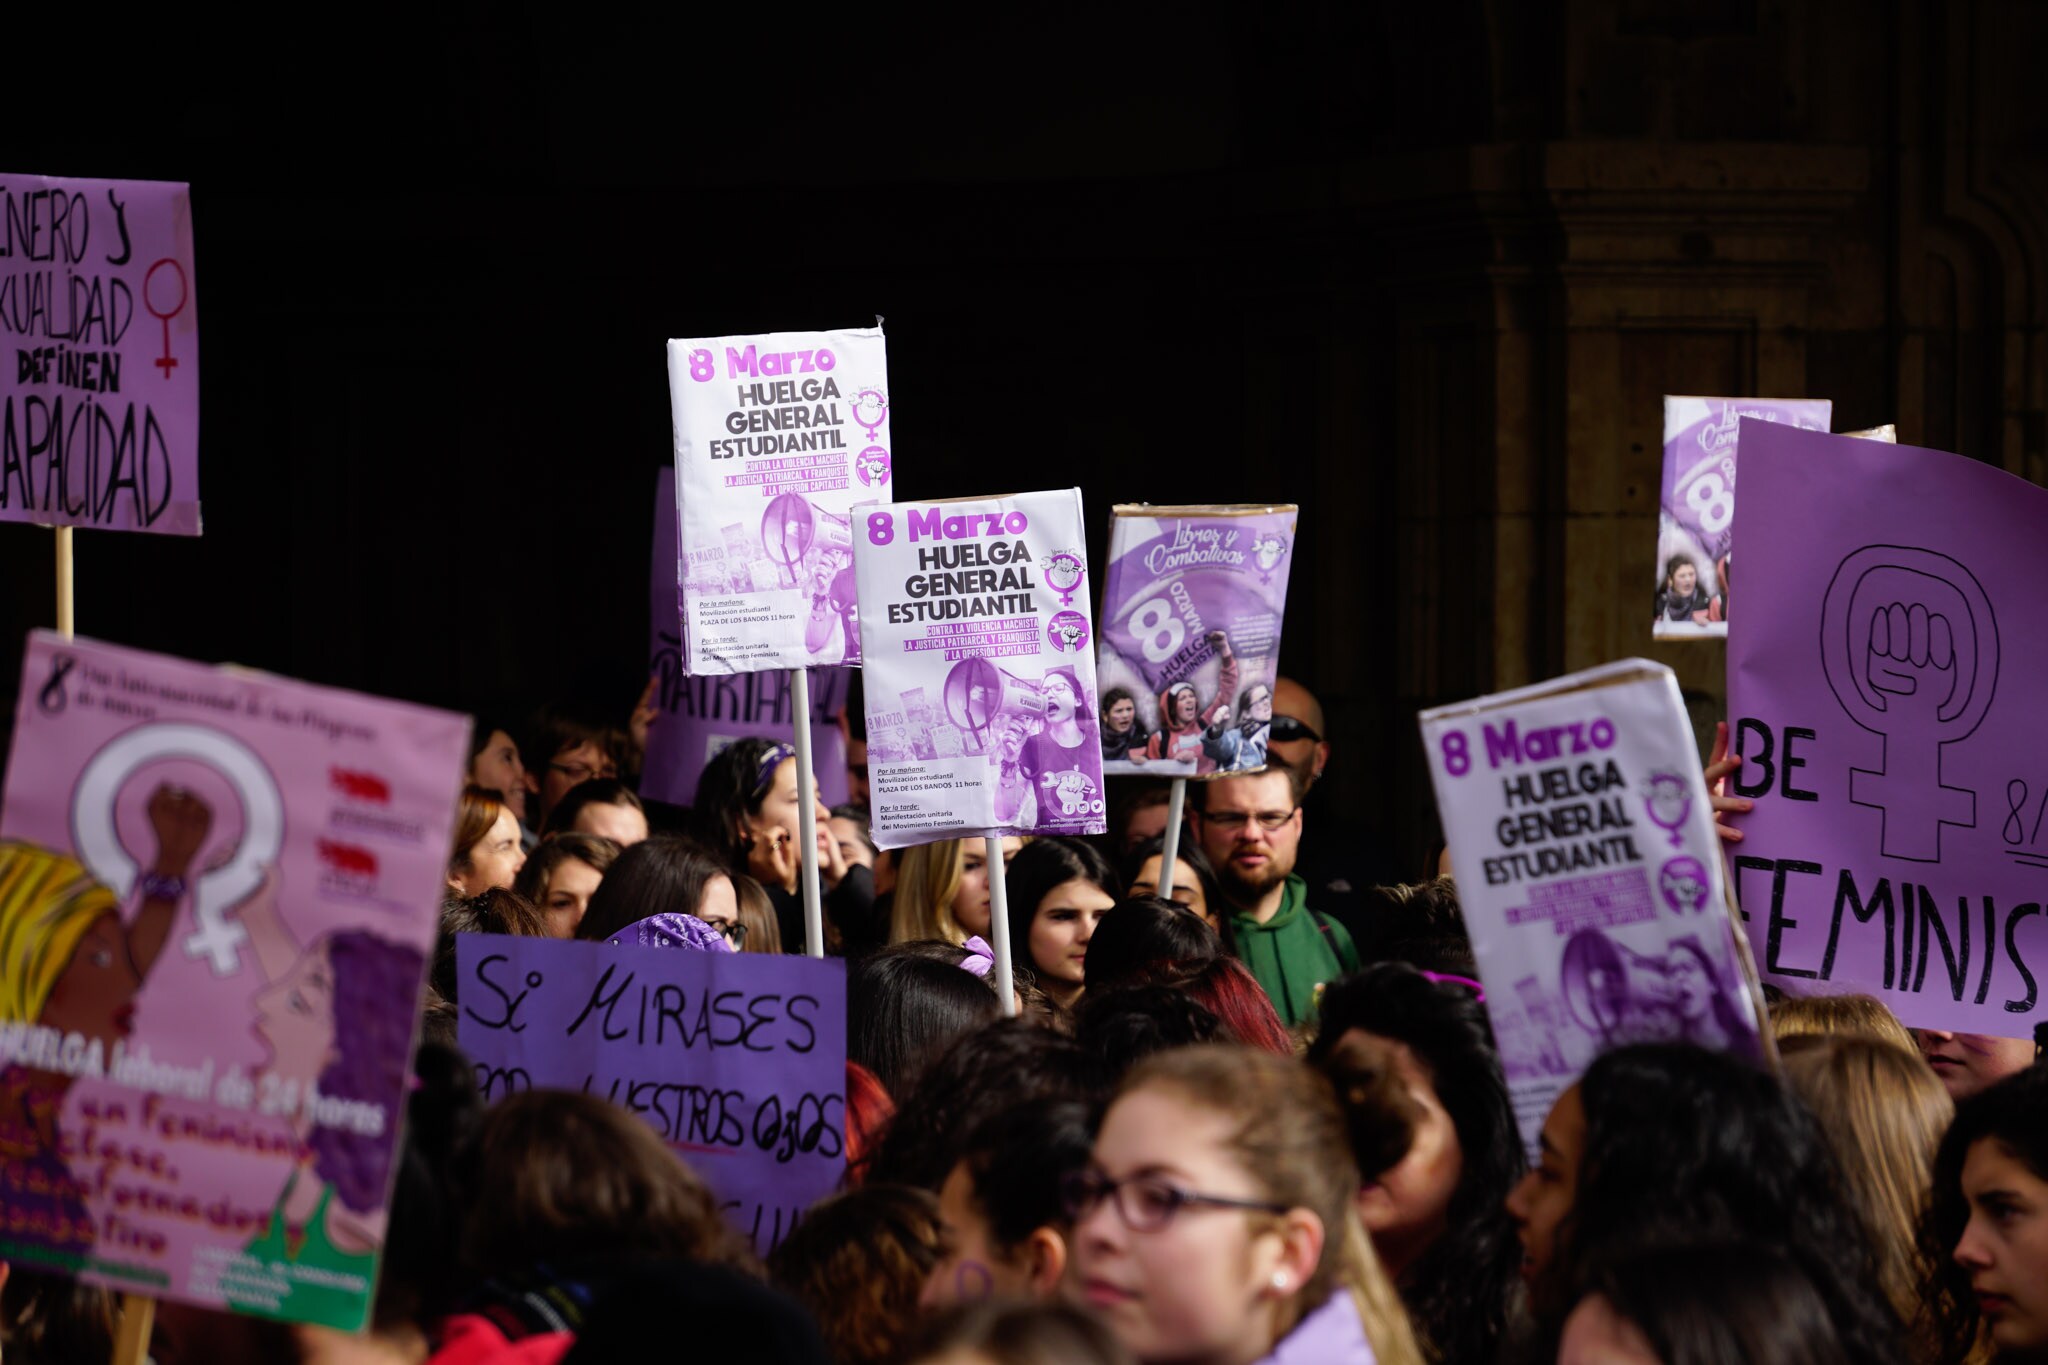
(1696, 518)
(218, 892)
(99, 390)
(1887, 697)
(777, 436)
(701, 715)
(980, 683)
(1190, 640)
(738, 1060)
(1589, 873)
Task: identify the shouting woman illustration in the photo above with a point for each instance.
(69, 963)
(336, 1019)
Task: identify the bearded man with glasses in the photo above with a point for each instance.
(1251, 829)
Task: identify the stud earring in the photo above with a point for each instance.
(1280, 1281)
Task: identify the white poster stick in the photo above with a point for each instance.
(67, 598)
(807, 815)
(1169, 847)
(999, 927)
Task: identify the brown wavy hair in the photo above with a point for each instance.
(476, 812)
(859, 1262)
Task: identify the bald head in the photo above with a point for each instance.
(1306, 756)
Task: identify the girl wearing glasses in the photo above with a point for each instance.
(1217, 1221)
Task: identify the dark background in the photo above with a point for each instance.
(1423, 268)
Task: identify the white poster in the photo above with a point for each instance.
(980, 680)
(1589, 872)
(777, 436)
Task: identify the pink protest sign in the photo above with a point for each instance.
(700, 715)
(218, 893)
(99, 386)
(1886, 694)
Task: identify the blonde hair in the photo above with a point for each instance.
(1838, 1016)
(1293, 1140)
(1883, 1113)
(926, 881)
(47, 902)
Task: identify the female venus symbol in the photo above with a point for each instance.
(168, 362)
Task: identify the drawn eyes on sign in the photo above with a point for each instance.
(1911, 647)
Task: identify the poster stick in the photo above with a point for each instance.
(67, 600)
(1169, 848)
(138, 1316)
(999, 926)
(807, 816)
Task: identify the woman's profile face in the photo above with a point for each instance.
(1404, 1209)
(970, 901)
(1545, 1195)
(1065, 922)
(92, 996)
(1260, 705)
(1200, 1287)
(494, 860)
(1123, 714)
(780, 810)
(295, 1015)
(2004, 1247)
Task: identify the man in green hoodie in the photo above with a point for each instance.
(1251, 829)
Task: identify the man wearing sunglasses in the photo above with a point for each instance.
(1346, 859)
(1251, 829)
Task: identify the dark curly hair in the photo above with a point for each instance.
(1459, 1289)
(373, 1047)
(727, 795)
(1144, 934)
(1684, 1145)
(2014, 1114)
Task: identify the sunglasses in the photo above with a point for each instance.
(1287, 729)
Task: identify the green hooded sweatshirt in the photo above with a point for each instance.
(1294, 952)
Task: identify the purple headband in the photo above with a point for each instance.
(765, 774)
(980, 959)
(672, 930)
(1446, 979)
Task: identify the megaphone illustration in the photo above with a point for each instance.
(977, 691)
(1608, 986)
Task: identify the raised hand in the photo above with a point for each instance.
(1720, 766)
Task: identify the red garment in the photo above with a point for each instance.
(470, 1339)
(1186, 742)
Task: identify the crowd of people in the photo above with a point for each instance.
(1261, 1119)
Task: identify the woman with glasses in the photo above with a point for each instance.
(1217, 1220)
(1436, 1214)
(668, 880)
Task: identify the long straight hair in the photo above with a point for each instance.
(926, 881)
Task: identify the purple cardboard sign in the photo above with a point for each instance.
(1190, 639)
(738, 1060)
(701, 715)
(99, 383)
(1696, 519)
(1886, 697)
(218, 893)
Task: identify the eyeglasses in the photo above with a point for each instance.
(1287, 729)
(583, 772)
(1146, 1203)
(1231, 821)
(732, 931)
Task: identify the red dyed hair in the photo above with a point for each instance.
(1227, 989)
(868, 1111)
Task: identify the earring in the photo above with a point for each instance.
(1280, 1280)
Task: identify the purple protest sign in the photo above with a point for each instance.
(1190, 639)
(738, 1060)
(1696, 520)
(980, 685)
(1887, 700)
(218, 893)
(1589, 874)
(99, 393)
(700, 716)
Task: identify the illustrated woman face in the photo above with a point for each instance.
(295, 1015)
(1122, 715)
(1669, 800)
(1202, 1285)
(91, 995)
(1692, 990)
(1059, 698)
(1260, 704)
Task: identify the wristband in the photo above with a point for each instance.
(157, 887)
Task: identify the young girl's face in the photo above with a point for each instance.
(1060, 931)
(1200, 1287)
(780, 810)
(2005, 1246)
(1684, 579)
(970, 902)
(1122, 714)
(567, 896)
